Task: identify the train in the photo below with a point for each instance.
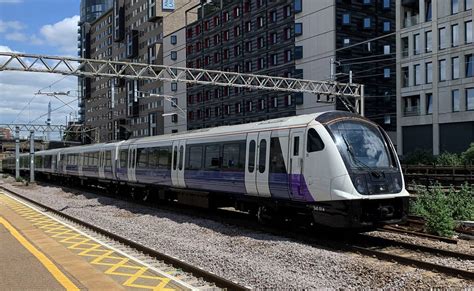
(333, 169)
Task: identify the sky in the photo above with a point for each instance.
(45, 27)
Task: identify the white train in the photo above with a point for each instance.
(334, 168)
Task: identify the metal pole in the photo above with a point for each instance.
(32, 156)
(332, 65)
(362, 101)
(17, 152)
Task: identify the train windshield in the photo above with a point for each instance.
(361, 144)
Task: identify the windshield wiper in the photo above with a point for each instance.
(374, 172)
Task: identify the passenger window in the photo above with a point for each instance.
(230, 157)
(165, 158)
(212, 161)
(142, 158)
(277, 162)
(251, 166)
(315, 142)
(195, 158)
(123, 158)
(262, 156)
(175, 157)
(181, 154)
(296, 146)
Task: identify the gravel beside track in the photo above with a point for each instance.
(251, 258)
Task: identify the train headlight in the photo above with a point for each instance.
(360, 184)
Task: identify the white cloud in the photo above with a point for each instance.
(16, 36)
(62, 34)
(18, 88)
(6, 26)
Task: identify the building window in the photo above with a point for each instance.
(367, 2)
(274, 59)
(470, 98)
(442, 38)
(260, 42)
(249, 106)
(468, 4)
(346, 19)
(226, 35)
(429, 73)
(428, 10)
(454, 6)
(173, 39)
(346, 41)
(261, 63)
(386, 4)
(273, 16)
(417, 73)
(455, 68)
(248, 66)
(386, 73)
(261, 105)
(455, 34)
(406, 77)
(469, 66)
(468, 31)
(386, 49)
(298, 52)
(288, 100)
(428, 41)
(386, 26)
(367, 22)
(442, 70)
(174, 86)
(174, 55)
(288, 56)
(416, 44)
(298, 6)
(248, 26)
(225, 16)
(455, 100)
(238, 108)
(287, 33)
(298, 29)
(273, 38)
(260, 21)
(237, 31)
(248, 46)
(429, 103)
(236, 12)
(275, 102)
(405, 47)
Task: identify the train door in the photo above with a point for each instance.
(263, 164)
(250, 161)
(177, 163)
(296, 162)
(132, 163)
(80, 163)
(101, 164)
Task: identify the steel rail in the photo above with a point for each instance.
(420, 234)
(196, 271)
(413, 262)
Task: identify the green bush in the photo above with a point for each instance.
(19, 179)
(468, 155)
(449, 159)
(462, 202)
(419, 157)
(434, 207)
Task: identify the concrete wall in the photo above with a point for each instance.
(319, 42)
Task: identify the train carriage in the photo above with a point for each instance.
(336, 168)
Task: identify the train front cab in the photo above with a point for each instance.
(355, 176)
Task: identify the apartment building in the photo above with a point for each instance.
(435, 89)
(291, 38)
(174, 54)
(132, 31)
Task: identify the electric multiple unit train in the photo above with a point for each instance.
(335, 169)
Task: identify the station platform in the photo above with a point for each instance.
(40, 252)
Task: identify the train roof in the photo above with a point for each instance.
(280, 123)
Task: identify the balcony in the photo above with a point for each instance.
(411, 20)
(411, 111)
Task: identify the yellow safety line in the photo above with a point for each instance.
(50, 266)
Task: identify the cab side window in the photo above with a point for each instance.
(315, 143)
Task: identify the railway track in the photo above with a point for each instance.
(421, 256)
(381, 248)
(206, 280)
